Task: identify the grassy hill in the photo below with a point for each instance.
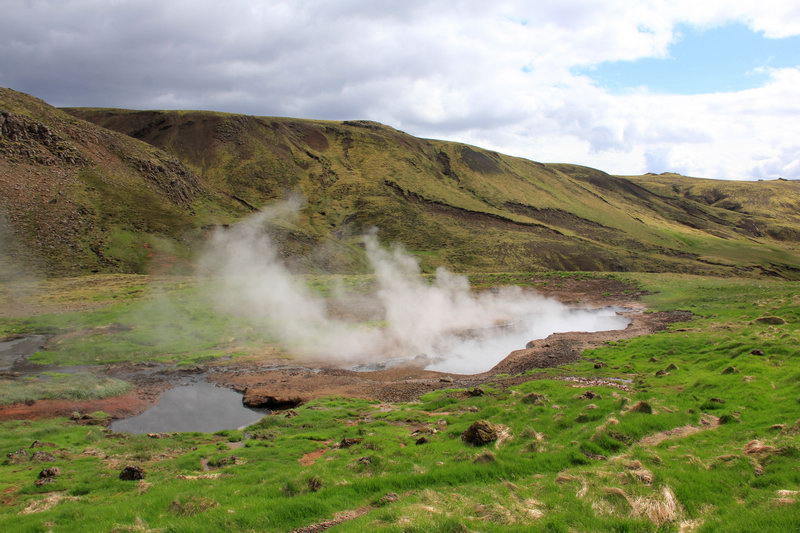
(451, 204)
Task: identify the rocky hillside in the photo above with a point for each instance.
(85, 193)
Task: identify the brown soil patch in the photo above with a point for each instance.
(119, 407)
(311, 457)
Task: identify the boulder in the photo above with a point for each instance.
(258, 400)
(131, 473)
(480, 433)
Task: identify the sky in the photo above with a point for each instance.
(708, 89)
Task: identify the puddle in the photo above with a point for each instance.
(14, 352)
(199, 406)
(482, 350)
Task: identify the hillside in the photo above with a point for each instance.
(83, 197)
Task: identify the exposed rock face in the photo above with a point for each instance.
(24, 139)
(480, 433)
(131, 473)
(259, 400)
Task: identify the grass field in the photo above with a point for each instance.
(713, 447)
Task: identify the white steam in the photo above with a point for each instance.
(442, 323)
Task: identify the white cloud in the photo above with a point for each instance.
(498, 75)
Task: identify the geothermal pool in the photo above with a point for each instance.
(480, 352)
(198, 406)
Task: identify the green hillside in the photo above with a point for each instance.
(134, 206)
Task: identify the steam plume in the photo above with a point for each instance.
(443, 321)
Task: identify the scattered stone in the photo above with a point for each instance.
(534, 398)
(477, 391)
(599, 365)
(17, 457)
(480, 433)
(485, 458)
(641, 407)
(390, 497)
(756, 352)
(445, 379)
(131, 473)
(473, 409)
(347, 442)
(772, 320)
(662, 373)
(314, 484)
(47, 475)
(422, 440)
(589, 395)
(42, 457)
(730, 370)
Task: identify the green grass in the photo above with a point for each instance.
(562, 469)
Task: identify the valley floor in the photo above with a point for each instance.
(690, 421)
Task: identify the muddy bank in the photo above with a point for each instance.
(117, 407)
(406, 383)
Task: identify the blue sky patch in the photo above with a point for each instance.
(721, 59)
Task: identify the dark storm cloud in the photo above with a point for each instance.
(492, 73)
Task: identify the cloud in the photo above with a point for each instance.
(500, 75)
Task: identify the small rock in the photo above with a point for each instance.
(473, 409)
(480, 433)
(661, 373)
(131, 473)
(17, 457)
(653, 359)
(600, 365)
(390, 497)
(422, 440)
(589, 395)
(47, 475)
(757, 352)
(534, 398)
(43, 457)
(641, 407)
(347, 442)
(477, 391)
(772, 320)
(445, 379)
